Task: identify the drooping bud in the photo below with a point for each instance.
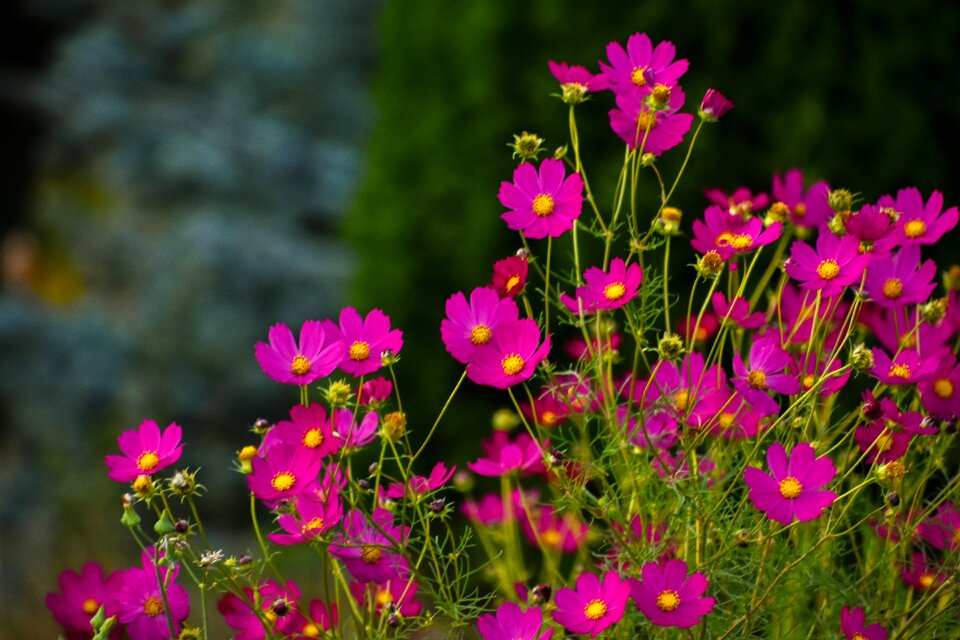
(438, 505)
(573, 92)
(526, 146)
(388, 358)
(861, 359)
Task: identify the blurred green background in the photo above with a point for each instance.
(178, 176)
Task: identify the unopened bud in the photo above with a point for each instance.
(244, 560)
(526, 146)
(670, 347)
(710, 264)
(438, 505)
(862, 358)
(338, 393)
(668, 223)
(505, 420)
(893, 498)
(778, 211)
(463, 481)
(191, 633)
(540, 594)
(364, 484)
(659, 97)
(573, 92)
(181, 526)
(393, 621)
(951, 279)
(840, 200)
(950, 428)
(837, 226)
(388, 358)
(394, 425)
(183, 483)
(372, 469)
(647, 160)
(163, 526)
(934, 311)
(261, 426)
(143, 486)
(281, 607)
(872, 410)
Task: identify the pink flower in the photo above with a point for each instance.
(81, 596)
(919, 223)
(145, 451)
(943, 530)
(542, 203)
(510, 276)
(513, 623)
(654, 131)
(641, 66)
(714, 106)
(767, 360)
(737, 312)
(368, 547)
(375, 393)
(140, 603)
(852, 625)
(668, 597)
(419, 485)
(836, 263)
(729, 234)
(553, 531)
(792, 490)
(239, 616)
(297, 625)
(504, 456)
(807, 208)
(593, 606)
(921, 575)
(308, 427)
(939, 392)
(317, 355)
(313, 517)
(510, 357)
(900, 280)
(576, 82)
(488, 511)
(472, 325)
(742, 202)
(283, 473)
(906, 367)
(365, 339)
(398, 594)
(809, 371)
(355, 432)
(873, 227)
(606, 290)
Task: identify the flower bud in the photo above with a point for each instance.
(934, 311)
(526, 146)
(364, 484)
(394, 425)
(540, 594)
(143, 486)
(181, 526)
(393, 621)
(372, 469)
(338, 393)
(891, 471)
(893, 498)
(505, 420)
(837, 226)
(659, 97)
(190, 633)
(647, 160)
(244, 560)
(950, 428)
(245, 455)
(862, 358)
(163, 526)
(872, 410)
(261, 426)
(463, 481)
(560, 152)
(670, 347)
(668, 222)
(388, 358)
(778, 212)
(710, 265)
(951, 279)
(438, 505)
(713, 106)
(280, 607)
(573, 92)
(840, 200)
(183, 483)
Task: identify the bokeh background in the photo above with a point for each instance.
(177, 176)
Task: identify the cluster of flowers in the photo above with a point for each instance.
(632, 482)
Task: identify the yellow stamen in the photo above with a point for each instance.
(915, 228)
(757, 380)
(313, 525)
(312, 438)
(512, 364)
(283, 481)
(893, 288)
(383, 597)
(636, 77)
(828, 269)
(926, 580)
(808, 381)
(614, 291)
(943, 388)
(543, 205)
(668, 600)
(799, 210)
(310, 630)
(359, 351)
(551, 538)
(480, 334)
(90, 606)
(371, 555)
(790, 488)
(153, 607)
(512, 282)
(147, 461)
(300, 366)
(595, 609)
(899, 371)
(726, 420)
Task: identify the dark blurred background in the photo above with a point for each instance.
(178, 176)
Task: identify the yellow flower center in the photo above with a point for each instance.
(549, 418)
(899, 371)
(884, 442)
(310, 630)
(908, 341)
(926, 580)
(893, 288)
(808, 381)
(359, 351)
(312, 438)
(757, 380)
(595, 609)
(681, 399)
(512, 364)
(249, 452)
(480, 334)
(858, 636)
(726, 420)
(645, 121)
(943, 388)
(371, 554)
(543, 205)
(828, 269)
(915, 228)
(637, 76)
(148, 461)
(512, 282)
(283, 481)
(790, 487)
(741, 241)
(153, 607)
(90, 606)
(313, 525)
(614, 291)
(300, 366)
(799, 210)
(895, 469)
(383, 597)
(668, 600)
(551, 538)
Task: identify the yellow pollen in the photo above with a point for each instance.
(646, 120)
(681, 399)
(637, 76)
(943, 388)
(313, 525)
(90, 606)
(858, 636)
(726, 420)
(543, 205)
(383, 597)
(828, 269)
(926, 580)
(312, 438)
(147, 461)
(799, 210)
(915, 228)
(310, 630)
(142, 484)
(512, 282)
(549, 418)
(668, 600)
(480, 334)
(899, 371)
(757, 380)
(893, 288)
(283, 481)
(249, 452)
(790, 488)
(300, 366)
(270, 615)
(552, 538)
(740, 241)
(808, 381)
(614, 291)
(153, 607)
(359, 351)
(512, 364)
(661, 93)
(595, 609)
(895, 469)
(884, 442)
(371, 555)
(724, 239)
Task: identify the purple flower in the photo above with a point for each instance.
(714, 106)
(576, 82)
(939, 392)
(668, 597)
(513, 623)
(317, 355)
(542, 203)
(145, 451)
(742, 202)
(368, 548)
(836, 263)
(753, 382)
(419, 485)
(140, 602)
(640, 66)
(729, 234)
(471, 325)
(792, 490)
(606, 289)
(593, 606)
(654, 131)
(943, 530)
(504, 456)
(900, 280)
(283, 473)
(365, 339)
(313, 516)
(737, 311)
(804, 208)
(919, 223)
(511, 356)
(906, 367)
(852, 625)
(308, 427)
(81, 596)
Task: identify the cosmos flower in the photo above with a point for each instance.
(563, 532)
(670, 598)
(766, 362)
(469, 325)
(919, 222)
(542, 203)
(920, 574)
(606, 289)
(145, 451)
(742, 202)
(364, 339)
(245, 622)
(906, 367)
(900, 280)
(316, 356)
(368, 547)
(396, 594)
(504, 455)
(808, 208)
(729, 234)
(942, 531)
(140, 603)
(283, 473)
(714, 106)
(81, 596)
(852, 626)
(511, 356)
(513, 623)
(374, 393)
(313, 516)
(836, 263)
(593, 606)
(940, 393)
(793, 487)
(419, 485)
(653, 131)
(737, 311)
(510, 276)
(641, 66)
(576, 82)
(308, 427)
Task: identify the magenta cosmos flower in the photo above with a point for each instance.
(510, 276)
(641, 65)
(145, 451)
(551, 530)
(140, 603)
(397, 594)
(284, 473)
(836, 263)
(542, 203)
(469, 325)
(593, 606)
(714, 106)
(245, 622)
(606, 290)
(668, 597)
(900, 280)
(316, 356)
(308, 427)
(906, 367)
(419, 485)
(365, 339)
(576, 82)
(792, 490)
(737, 312)
(513, 623)
(919, 223)
(742, 202)
(368, 546)
(764, 374)
(804, 208)
(313, 517)
(729, 234)
(510, 357)
(940, 393)
(504, 455)
(655, 131)
(852, 625)
(81, 596)
(943, 530)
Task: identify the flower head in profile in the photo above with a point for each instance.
(670, 598)
(919, 222)
(543, 202)
(835, 263)
(576, 82)
(316, 356)
(418, 485)
(742, 202)
(504, 455)
(472, 324)
(921, 574)
(792, 489)
(142, 606)
(606, 289)
(641, 66)
(853, 627)
(145, 451)
(511, 356)
(375, 393)
(511, 622)
(593, 606)
(714, 106)
(654, 131)
(729, 234)
(364, 340)
(81, 596)
(510, 276)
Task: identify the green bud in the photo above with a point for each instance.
(670, 347)
(861, 358)
(526, 146)
(840, 200)
(130, 518)
(104, 632)
(647, 159)
(339, 393)
(98, 618)
(164, 526)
